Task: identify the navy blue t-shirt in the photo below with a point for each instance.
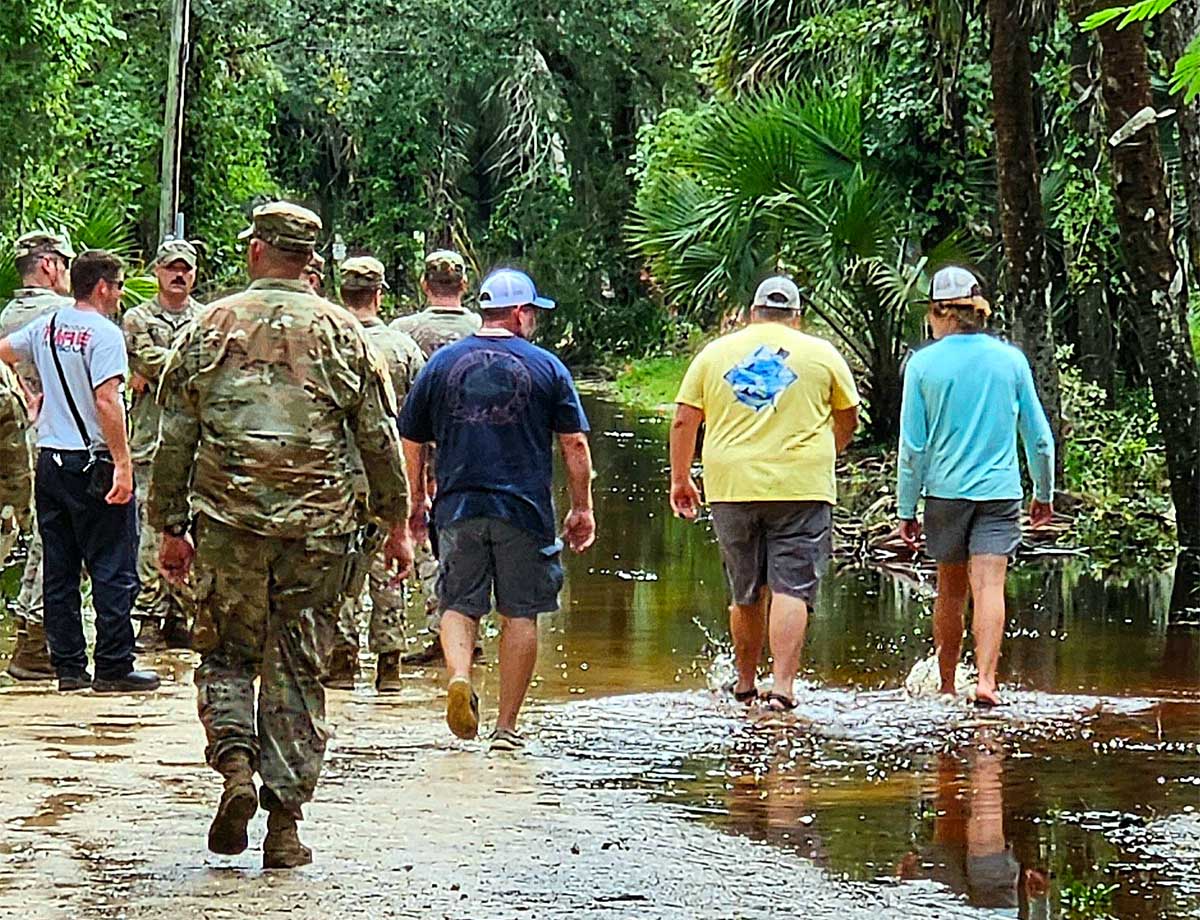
(493, 405)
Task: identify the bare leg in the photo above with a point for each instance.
(518, 655)
(789, 621)
(458, 642)
(948, 611)
(748, 627)
(987, 619)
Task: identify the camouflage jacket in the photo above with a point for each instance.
(150, 331)
(266, 399)
(434, 327)
(16, 485)
(402, 355)
(27, 305)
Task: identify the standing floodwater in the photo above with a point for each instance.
(643, 792)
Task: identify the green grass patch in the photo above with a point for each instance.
(652, 381)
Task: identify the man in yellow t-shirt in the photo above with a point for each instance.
(779, 405)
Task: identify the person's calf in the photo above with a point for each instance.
(518, 657)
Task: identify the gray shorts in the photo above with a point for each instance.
(957, 528)
(783, 545)
(479, 557)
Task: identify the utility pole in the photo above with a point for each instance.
(168, 206)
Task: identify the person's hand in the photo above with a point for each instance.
(398, 552)
(138, 383)
(1040, 513)
(910, 532)
(579, 529)
(685, 499)
(175, 556)
(122, 487)
(418, 519)
(34, 406)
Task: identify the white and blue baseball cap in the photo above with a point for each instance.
(507, 287)
(954, 283)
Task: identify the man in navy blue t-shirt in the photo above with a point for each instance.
(493, 403)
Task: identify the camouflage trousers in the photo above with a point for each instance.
(390, 605)
(29, 599)
(157, 600)
(266, 608)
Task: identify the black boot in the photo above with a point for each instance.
(387, 673)
(239, 801)
(150, 637)
(176, 634)
(133, 682)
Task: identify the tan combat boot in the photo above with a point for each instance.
(340, 668)
(239, 801)
(282, 848)
(387, 673)
(31, 658)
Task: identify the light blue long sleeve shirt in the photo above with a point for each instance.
(966, 398)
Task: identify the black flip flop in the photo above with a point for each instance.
(986, 704)
(777, 702)
(742, 696)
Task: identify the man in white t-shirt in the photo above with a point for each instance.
(79, 354)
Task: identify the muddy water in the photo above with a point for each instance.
(645, 793)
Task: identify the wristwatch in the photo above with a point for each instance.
(176, 530)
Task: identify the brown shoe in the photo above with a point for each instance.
(31, 658)
(341, 667)
(239, 801)
(430, 654)
(387, 673)
(150, 637)
(282, 848)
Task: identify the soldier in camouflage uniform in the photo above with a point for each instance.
(150, 331)
(43, 260)
(270, 400)
(445, 320)
(16, 485)
(363, 283)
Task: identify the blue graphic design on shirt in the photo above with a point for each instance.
(760, 377)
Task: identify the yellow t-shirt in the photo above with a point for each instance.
(768, 393)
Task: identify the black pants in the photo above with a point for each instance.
(76, 530)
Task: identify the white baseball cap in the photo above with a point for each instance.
(778, 292)
(507, 287)
(954, 283)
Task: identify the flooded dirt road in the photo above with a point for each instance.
(645, 793)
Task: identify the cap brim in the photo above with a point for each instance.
(544, 303)
(66, 252)
(247, 233)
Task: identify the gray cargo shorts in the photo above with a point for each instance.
(958, 528)
(781, 545)
(482, 556)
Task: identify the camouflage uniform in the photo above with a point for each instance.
(369, 570)
(150, 331)
(432, 328)
(27, 304)
(268, 397)
(16, 485)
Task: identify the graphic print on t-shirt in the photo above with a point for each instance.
(760, 377)
(488, 388)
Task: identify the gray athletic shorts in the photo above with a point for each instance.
(479, 557)
(957, 528)
(783, 545)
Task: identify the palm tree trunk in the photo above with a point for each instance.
(1020, 184)
(1144, 219)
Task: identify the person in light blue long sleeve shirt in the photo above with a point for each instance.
(967, 399)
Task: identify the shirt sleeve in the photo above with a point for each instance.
(175, 458)
(22, 340)
(108, 358)
(146, 357)
(569, 417)
(691, 390)
(845, 393)
(416, 421)
(1036, 435)
(914, 438)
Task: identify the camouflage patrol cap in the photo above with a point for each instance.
(44, 241)
(285, 226)
(362, 273)
(445, 266)
(176, 251)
